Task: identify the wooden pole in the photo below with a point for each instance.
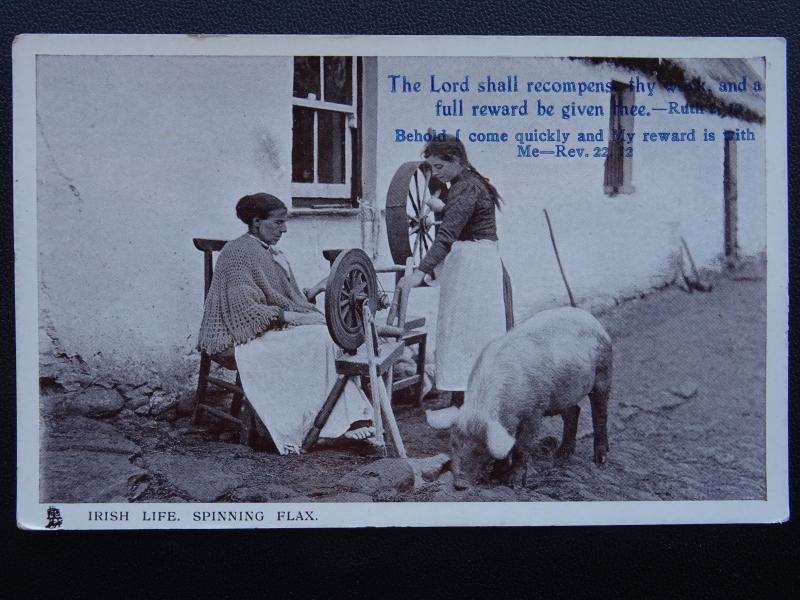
(379, 391)
(691, 260)
(389, 414)
(696, 283)
(558, 259)
(393, 307)
(404, 293)
(373, 377)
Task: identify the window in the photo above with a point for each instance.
(325, 132)
(619, 163)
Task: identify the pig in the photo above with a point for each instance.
(543, 367)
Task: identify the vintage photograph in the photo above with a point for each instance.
(260, 279)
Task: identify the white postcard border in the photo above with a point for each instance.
(31, 513)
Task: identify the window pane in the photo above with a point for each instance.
(306, 76)
(331, 146)
(339, 79)
(302, 144)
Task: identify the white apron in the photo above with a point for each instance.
(471, 310)
(287, 375)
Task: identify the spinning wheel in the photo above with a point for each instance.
(351, 283)
(409, 220)
(351, 300)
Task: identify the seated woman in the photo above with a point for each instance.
(285, 357)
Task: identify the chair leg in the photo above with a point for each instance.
(236, 402)
(246, 426)
(202, 387)
(421, 349)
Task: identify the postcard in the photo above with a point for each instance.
(374, 281)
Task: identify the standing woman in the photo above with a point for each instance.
(474, 301)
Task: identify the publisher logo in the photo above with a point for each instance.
(54, 520)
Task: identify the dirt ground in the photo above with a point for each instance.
(686, 422)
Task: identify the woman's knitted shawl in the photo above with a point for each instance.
(248, 294)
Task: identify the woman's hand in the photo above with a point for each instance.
(314, 291)
(435, 203)
(301, 318)
(413, 280)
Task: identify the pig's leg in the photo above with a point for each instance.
(599, 401)
(505, 470)
(570, 418)
(527, 437)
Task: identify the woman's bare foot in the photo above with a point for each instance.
(361, 433)
(360, 430)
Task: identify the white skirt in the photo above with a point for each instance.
(471, 310)
(287, 375)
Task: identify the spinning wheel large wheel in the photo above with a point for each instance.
(352, 282)
(409, 220)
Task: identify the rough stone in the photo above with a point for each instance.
(199, 479)
(134, 387)
(190, 430)
(351, 497)
(139, 489)
(86, 476)
(81, 433)
(666, 401)
(385, 495)
(384, 474)
(55, 405)
(169, 415)
(686, 390)
(137, 401)
(95, 402)
(428, 469)
(625, 412)
(446, 492)
(161, 402)
(143, 410)
(724, 458)
(266, 493)
(499, 493)
(186, 403)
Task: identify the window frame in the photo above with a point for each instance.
(328, 195)
(618, 158)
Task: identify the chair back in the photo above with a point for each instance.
(208, 247)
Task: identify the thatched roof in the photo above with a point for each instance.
(699, 80)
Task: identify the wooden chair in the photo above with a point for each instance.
(252, 431)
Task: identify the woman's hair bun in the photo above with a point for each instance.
(259, 205)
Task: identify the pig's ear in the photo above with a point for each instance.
(498, 441)
(443, 418)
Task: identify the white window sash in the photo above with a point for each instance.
(330, 190)
(321, 190)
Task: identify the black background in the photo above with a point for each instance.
(699, 561)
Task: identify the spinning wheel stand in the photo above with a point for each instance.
(351, 298)
(351, 301)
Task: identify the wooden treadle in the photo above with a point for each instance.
(413, 323)
(358, 364)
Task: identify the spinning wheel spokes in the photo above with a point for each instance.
(352, 283)
(409, 219)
